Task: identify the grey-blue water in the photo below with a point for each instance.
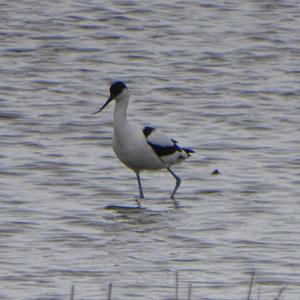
(222, 77)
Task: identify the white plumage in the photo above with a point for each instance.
(141, 148)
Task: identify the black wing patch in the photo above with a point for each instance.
(164, 150)
(159, 149)
(147, 130)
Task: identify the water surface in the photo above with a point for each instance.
(222, 78)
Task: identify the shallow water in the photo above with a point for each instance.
(222, 78)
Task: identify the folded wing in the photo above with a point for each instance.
(165, 148)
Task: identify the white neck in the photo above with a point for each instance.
(120, 111)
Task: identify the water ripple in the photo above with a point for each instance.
(220, 77)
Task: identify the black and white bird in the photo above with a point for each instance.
(142, 148)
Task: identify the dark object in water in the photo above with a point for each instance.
(215, 172)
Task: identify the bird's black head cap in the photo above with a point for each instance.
(117, 88)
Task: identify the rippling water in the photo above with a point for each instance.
(220, 77)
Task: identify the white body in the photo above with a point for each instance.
(136, 154)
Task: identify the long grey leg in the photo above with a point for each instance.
(178, 181)
(140, 185)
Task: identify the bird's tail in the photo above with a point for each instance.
(188, 151)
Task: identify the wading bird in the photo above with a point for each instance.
(142, 148)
